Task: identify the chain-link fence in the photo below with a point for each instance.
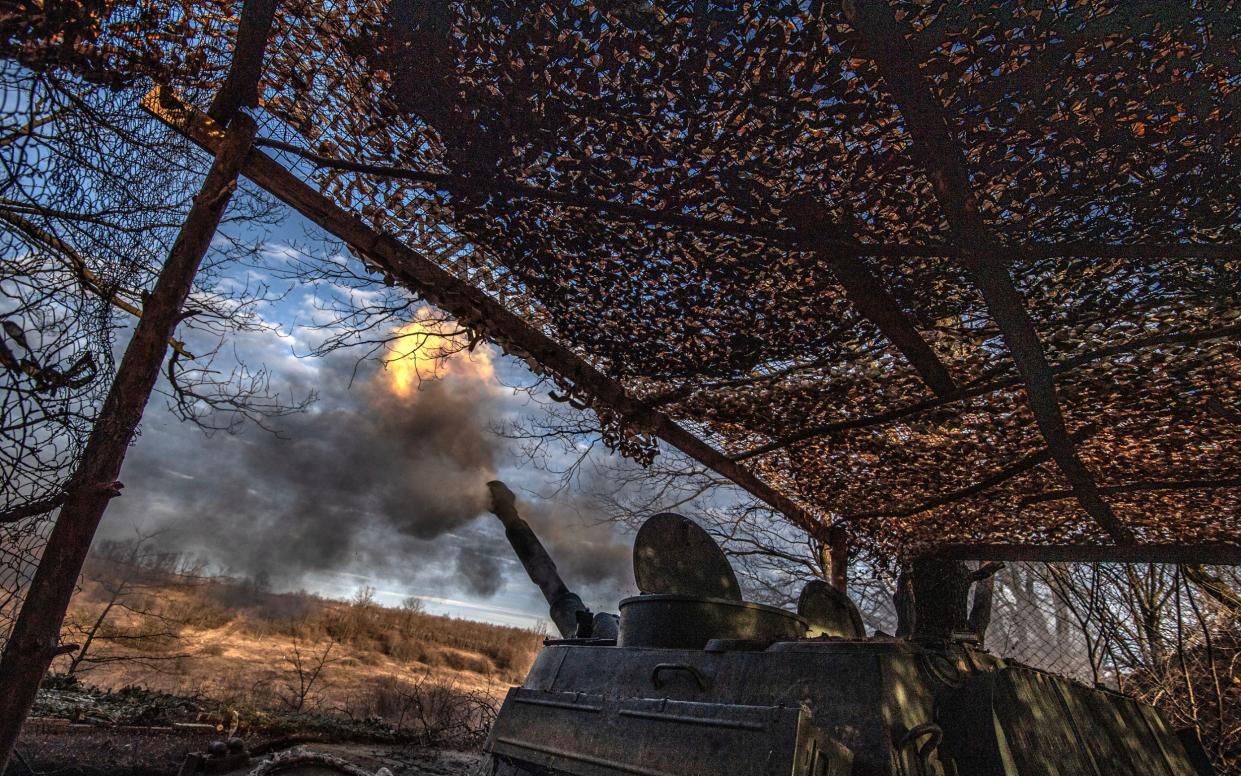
(1164, 633)
(59, 278)
(1106, 623)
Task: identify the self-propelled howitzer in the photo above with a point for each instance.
(699, 681)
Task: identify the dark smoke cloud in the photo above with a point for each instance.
(363, 478)
(367, 483)
(587, 553)
(479, 567)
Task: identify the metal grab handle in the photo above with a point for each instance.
(686, 667)
(933, 734)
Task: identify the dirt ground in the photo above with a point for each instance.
(408, 761)
(62, 750)
(55, 750)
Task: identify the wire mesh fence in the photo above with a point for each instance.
(1101, 623)
(1167, 634)
(21, 544)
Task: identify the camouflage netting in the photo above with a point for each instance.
(721, 205)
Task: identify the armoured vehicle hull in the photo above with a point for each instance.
(691, 680)
(866, 707)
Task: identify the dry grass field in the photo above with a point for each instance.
(152, 625)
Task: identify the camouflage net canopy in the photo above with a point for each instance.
(937, 272)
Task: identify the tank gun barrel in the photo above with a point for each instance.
(563, 603)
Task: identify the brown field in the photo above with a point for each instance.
(228, 641)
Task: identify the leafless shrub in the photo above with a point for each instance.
(434, 711)
(407, 634)
(305, 681)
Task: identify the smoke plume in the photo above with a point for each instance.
(359, 480)
(386, 478)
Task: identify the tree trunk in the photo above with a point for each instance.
(838, 558)
(903, 602)
(35, 636)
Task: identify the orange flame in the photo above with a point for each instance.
(429, 348)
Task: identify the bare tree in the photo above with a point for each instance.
(412, 612)
(374, 321)
(305, 680)
(440, 713)
(94, 192)
(128, 580)
(1154, 631)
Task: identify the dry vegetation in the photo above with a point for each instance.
(251, 649)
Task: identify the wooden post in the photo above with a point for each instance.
(838, 556)
(36, 633)
(1216, 553)
(866, 292)
(940, 592)
(35, 638)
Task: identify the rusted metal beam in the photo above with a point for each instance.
(1210, 554)
(884, 41)
(468, 304)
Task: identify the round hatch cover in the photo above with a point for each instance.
(829, 612)
(673, 554)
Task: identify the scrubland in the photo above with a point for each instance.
(252, 652)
